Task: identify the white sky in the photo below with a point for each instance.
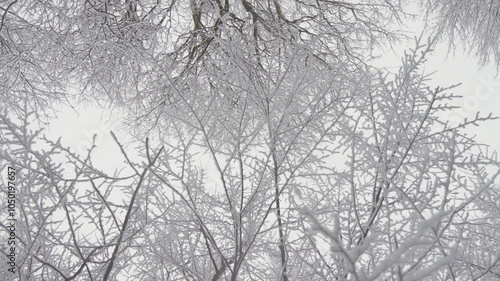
(77, 128)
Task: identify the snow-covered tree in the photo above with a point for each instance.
(269, 148)
(475, 24)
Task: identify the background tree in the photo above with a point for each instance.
(130, 52)
(270, 137)
(475, 24)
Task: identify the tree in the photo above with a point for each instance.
(270, 137)
(119, 47)
(475, 24)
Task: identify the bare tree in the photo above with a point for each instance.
(270, 138)
(475, 24)
(242, 188)
(411, 193)
(115, 49)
